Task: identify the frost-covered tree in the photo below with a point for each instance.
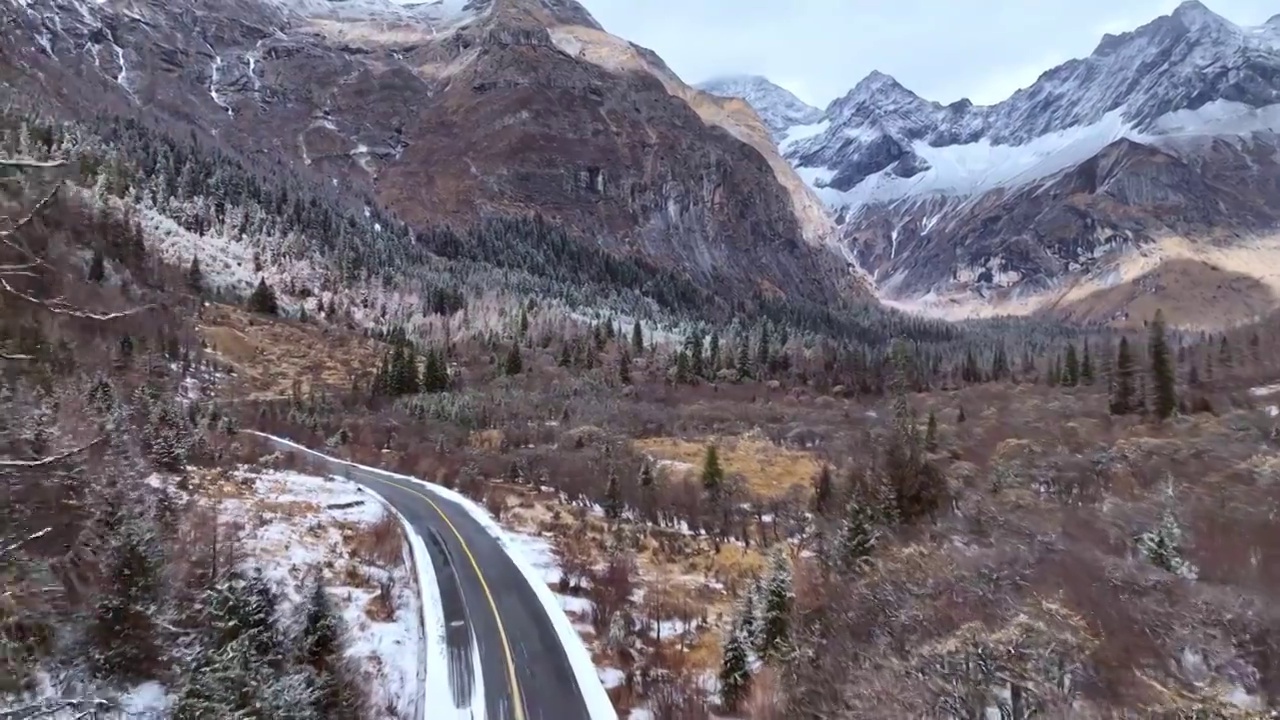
(167, 437)
(123, 628)
(1162, 545)
(775, 612)
(735, 667)
(857, 539)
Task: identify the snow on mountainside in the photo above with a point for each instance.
(1163, 142)
(778, 108)
(883, 134)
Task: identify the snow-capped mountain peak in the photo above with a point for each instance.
(778, 107)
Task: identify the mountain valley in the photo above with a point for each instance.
(689, 401)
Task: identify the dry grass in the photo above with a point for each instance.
(769, 469)
(269, 354)
(381, 544)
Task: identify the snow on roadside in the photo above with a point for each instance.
(296, 525)
(535, 563)
(433, 675)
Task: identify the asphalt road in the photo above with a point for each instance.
(487, 600)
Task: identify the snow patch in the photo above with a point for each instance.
(294, 527)
(594, 695)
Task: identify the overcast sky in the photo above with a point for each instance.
(941, 49)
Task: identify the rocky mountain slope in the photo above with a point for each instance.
(1144, 174)
(450, 112)
(777, 106)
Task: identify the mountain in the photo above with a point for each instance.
(1144, 174)
(778, 108)
(452, 112)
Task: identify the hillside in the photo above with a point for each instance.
(1083, 195)
(452, 114)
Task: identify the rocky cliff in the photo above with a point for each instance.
(1071, 196)
(449, 112)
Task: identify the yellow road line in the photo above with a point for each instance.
(502, 633)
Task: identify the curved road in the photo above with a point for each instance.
(486, 599)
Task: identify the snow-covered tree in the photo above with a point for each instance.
(775, 612)
(857, 537)
(735, 667)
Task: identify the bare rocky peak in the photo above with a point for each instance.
(1180, 61)
(777, 106)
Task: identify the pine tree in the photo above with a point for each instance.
(1122, 390)
(713, 354)
(648, 490)
(712, 476)
(1163, 545)
(637, 339)
(775, 620)
(931, 433)
(1163, 381)
(613, 496)
(263, 300)
(684, 374)
(735, 668)
(743, 364)
(321, 650)
(1071, 371)
(195, 276)
(823, 490)
(167, 438)
(857, 536)
(97, 266)
(123, 629)
(513, 364)
(523, 325)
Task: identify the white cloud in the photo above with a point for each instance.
(818, 49)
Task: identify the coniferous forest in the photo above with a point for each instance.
(884, 515)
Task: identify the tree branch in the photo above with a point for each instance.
(61, 308)
(5, 235)
(7, 356)
(51, 459)
(6, 549)
(27, 163)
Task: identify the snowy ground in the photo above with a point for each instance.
(299, 525)
(535, 559)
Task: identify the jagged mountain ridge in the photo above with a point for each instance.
(1160, 146)
(450, 112)
(777, 106)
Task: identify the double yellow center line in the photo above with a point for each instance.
(502, 633)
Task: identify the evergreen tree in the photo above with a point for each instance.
(743, 364)
(960, 416)
(122, 629)
(857, 537)
(1163, 545)
(1163, 381)
(167, 438)
(735, 668)
(712, 476)
(713, 354)
(637, 338)
(513, 364)
(693, 350)
(648, 490)
(613, 496)
(1122, 389)
(522, 328)
(823, 490)
(931, 433)
(435, 372)
(321, 650)
(775, 616)
(97, 266)
(684, 374)
(1071, 371)
(263, 300)
(195, 276)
